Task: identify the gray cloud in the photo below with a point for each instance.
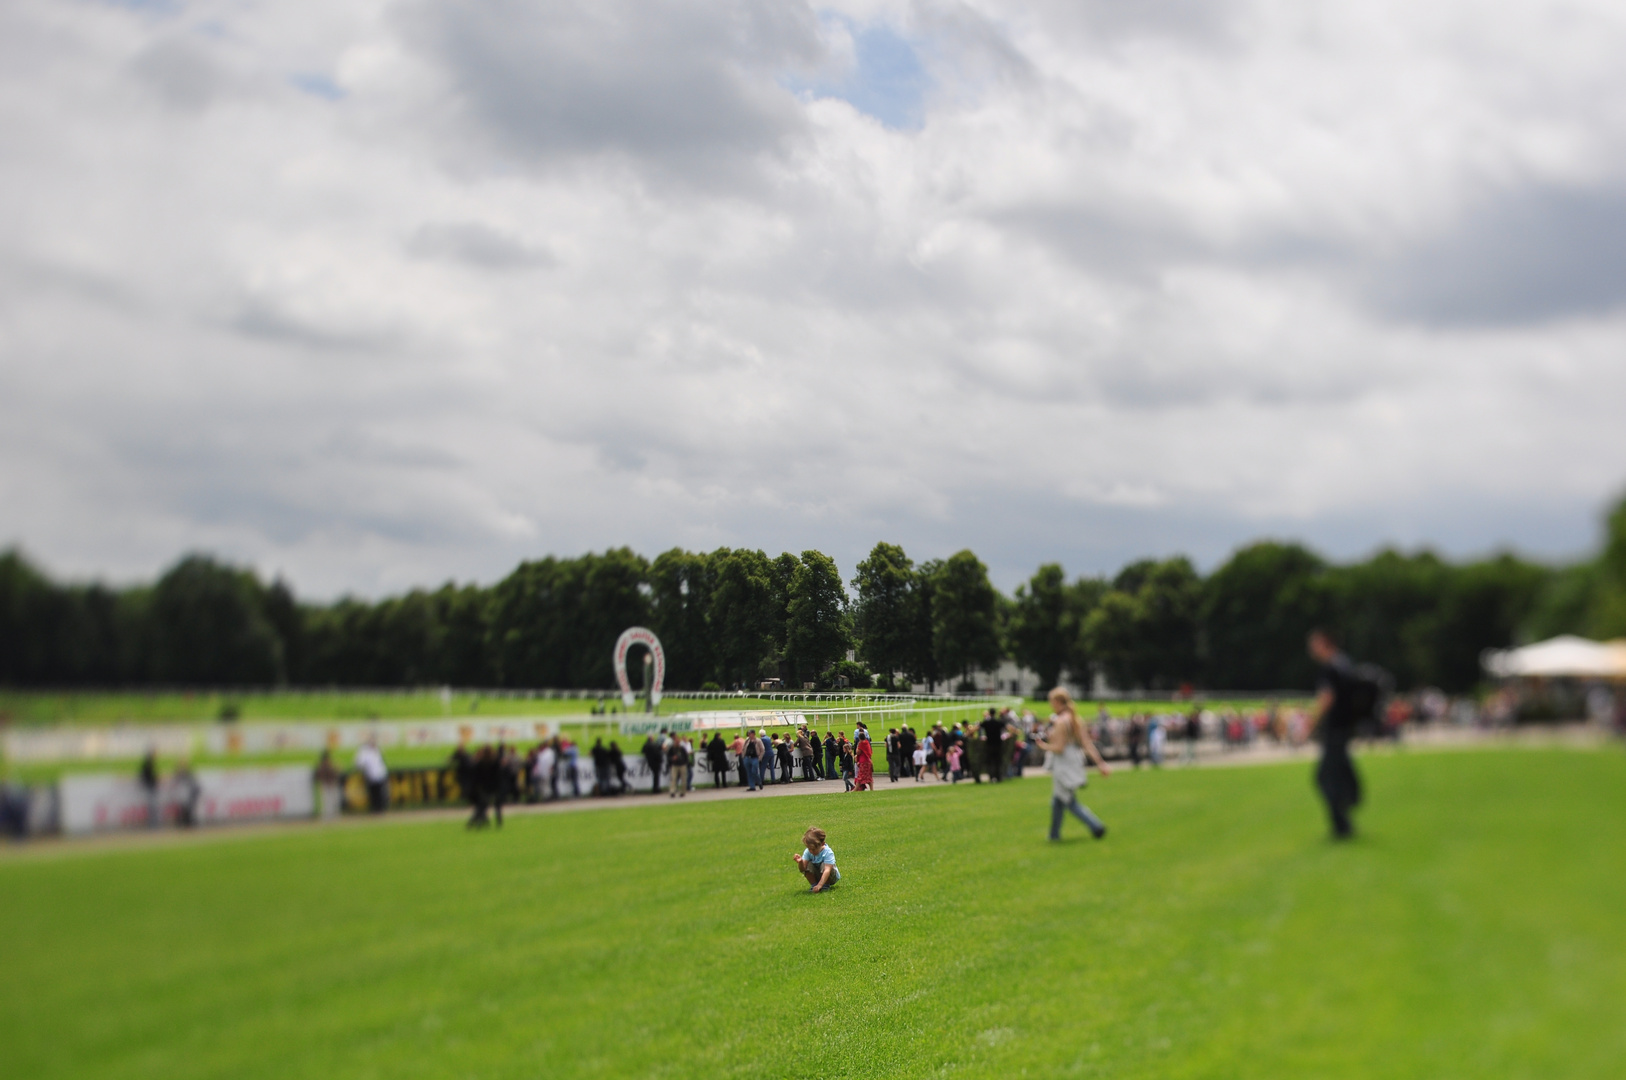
(477, 245)
(1534, 254)
(682, 86)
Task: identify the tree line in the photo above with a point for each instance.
(734, 617)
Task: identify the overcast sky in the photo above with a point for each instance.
(374, 294)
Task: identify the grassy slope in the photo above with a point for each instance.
(1474, 931)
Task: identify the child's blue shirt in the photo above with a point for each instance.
(825, 857)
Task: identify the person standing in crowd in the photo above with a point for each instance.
(770, 754)
(327, 785)
(832, 755)
(918, 765)
(1068, 744)
(892, 755)
(787, 759)
(993, 734)
(148, 776)
(906, 750)
(751, 759)
(955, 754)
(864, 753)
(849, 767)
(1156, 736)
(652, 760)
(804, 747)
(376, 774)
(677, 768)
(717, 758)
(185, 785)
(618, 767)
(569, 755)
(1193, 732)
(738, 749)
(601, 768)
(545, 776)
(480, 779)
(1137, 737)
(1332, 720)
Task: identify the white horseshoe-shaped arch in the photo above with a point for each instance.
(637, 635)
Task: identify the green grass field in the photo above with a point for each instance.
(1476, 929)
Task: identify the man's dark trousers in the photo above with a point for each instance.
(1340, 786)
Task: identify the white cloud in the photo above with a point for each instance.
(376, 293)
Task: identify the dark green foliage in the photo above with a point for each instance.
(742, 614)
(554, 622)
(681, 586)
(732, 617)
(210, 627)
(818, 628)
(1257, 610)
(1144, 631)
(965, 609)
(1034, 632)
(884, 614)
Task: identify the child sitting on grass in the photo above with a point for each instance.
(818, 862)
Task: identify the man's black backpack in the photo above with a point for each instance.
(1370, 688)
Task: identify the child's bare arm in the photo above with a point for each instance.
(824, 878)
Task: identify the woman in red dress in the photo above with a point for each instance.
(866, 762)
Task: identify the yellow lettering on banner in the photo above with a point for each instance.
(432, 782)
(355, 792)
(449, 784)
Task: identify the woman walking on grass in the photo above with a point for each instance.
(1068, 743)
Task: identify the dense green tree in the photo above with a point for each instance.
(680, 602)
(965, 611)
(210, 627)
(1256, 612)
(818, 628)
(884, 615)
(1037, 632)
(554, 622)
(1143, 633)
(743, 614)
(921, 654)
(1482, 606)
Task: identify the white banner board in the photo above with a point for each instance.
(102, 801)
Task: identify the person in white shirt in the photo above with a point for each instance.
(377, 775)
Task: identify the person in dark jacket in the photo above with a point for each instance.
(482, 784)
(787, 759)
(601, 768)
(832, 756)
(618, 767)
(149, 785)
(717, 758)
(652, 758)
(677, 768)
(1332, 721)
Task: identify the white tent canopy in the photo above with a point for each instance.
(1560, 657)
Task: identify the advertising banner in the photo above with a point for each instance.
(101, 801)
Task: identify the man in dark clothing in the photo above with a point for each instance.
(652, 758)
(787, 759)
(618, 766)
(601, 768)
(906, 752)
(993, 734)
(717, 757)
(1333, 721)
(892, 755)
(832, 767)
(149, 785)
